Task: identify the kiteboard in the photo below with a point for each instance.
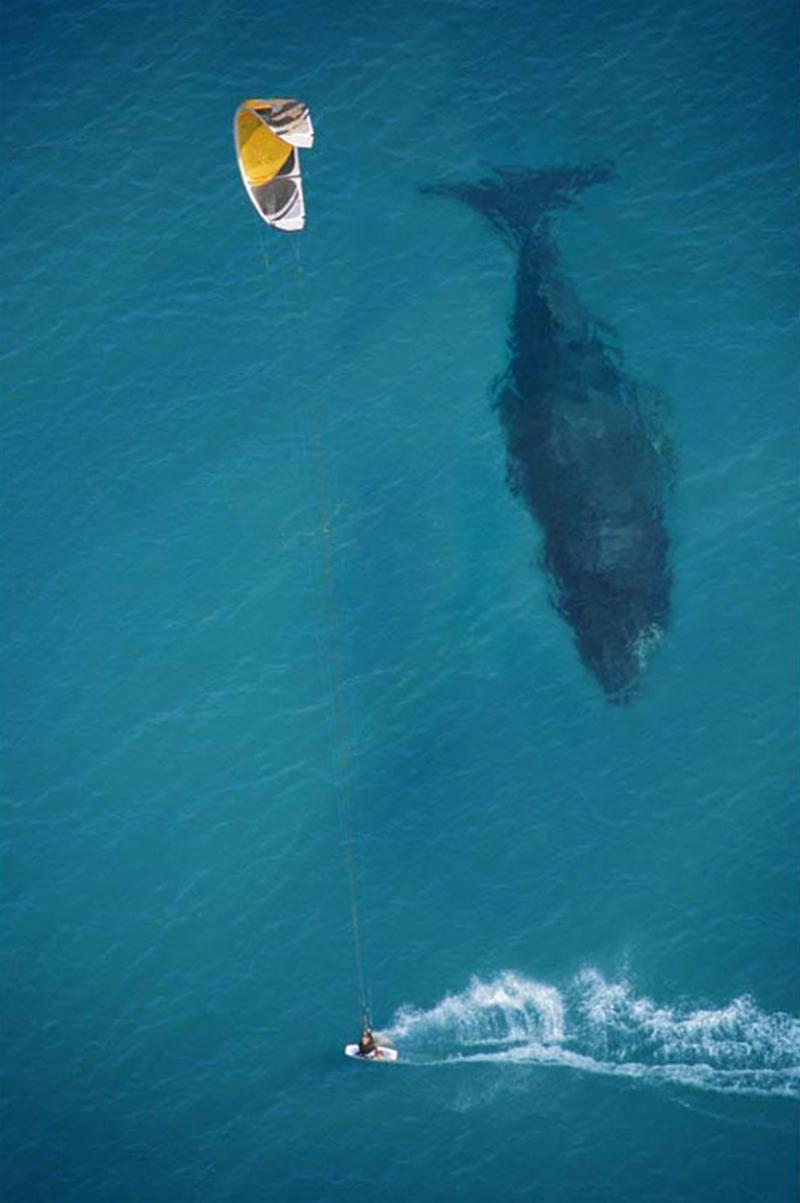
(381, 1053)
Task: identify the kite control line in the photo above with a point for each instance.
(268, 136)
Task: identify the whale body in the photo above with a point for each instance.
(583, 453)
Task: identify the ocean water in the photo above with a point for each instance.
(579, 920)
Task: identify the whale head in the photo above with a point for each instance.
(612, 585)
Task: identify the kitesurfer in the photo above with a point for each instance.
(366, 1045)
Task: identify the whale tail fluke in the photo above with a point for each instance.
(518, 200)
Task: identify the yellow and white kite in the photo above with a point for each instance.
(268, 135)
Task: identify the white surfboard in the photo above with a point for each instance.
(381, 1053)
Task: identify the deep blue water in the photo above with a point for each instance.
(580, 920)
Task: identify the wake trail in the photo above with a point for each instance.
(600, 1027)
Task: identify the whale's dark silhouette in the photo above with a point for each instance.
(582, 454)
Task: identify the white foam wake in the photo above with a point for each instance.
(605, 1027)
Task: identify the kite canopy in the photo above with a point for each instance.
(268, 134)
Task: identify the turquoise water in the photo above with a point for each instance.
(579, 920)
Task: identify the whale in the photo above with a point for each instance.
(588, 453)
